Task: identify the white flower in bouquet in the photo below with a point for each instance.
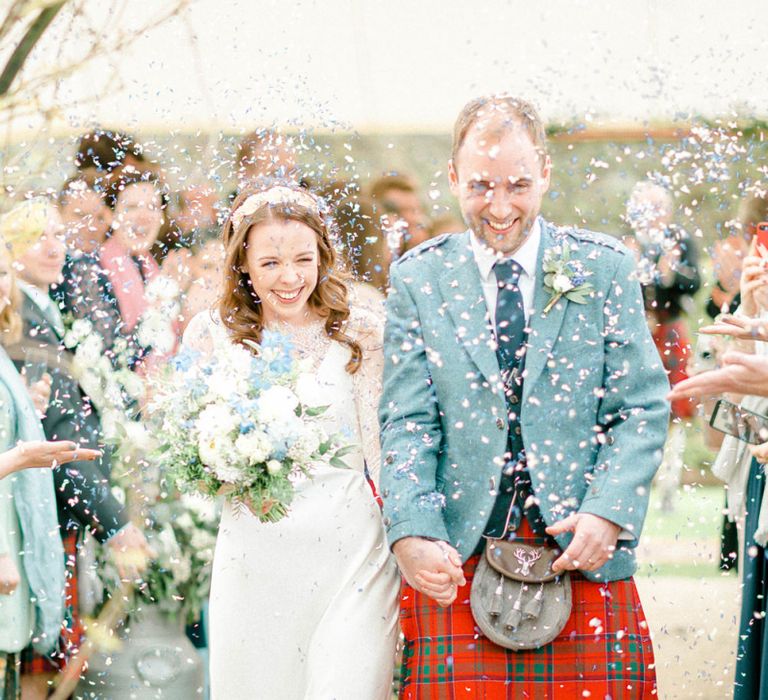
(91, 383)
(155, 330)
(307, 444)
(276, 403)
(162, 290)
(201, 539)
(80, 329)
(253, 447)
(138, 436)
(215, 450)
(274, 466)
(181, 568)
(89, 350)
(169, 545)
(222, 386)
(217, 419)
(228, 473)
(205, 509)
(112, 423)
(132, 383)
(185, 522)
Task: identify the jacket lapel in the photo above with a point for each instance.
(462, 291)
(544, 328)
(45, 330)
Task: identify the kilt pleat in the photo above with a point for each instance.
(604, 651)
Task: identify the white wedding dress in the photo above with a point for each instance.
(306, 608)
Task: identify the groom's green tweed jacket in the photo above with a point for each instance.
(593, 412)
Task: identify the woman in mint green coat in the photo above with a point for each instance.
(32, 600)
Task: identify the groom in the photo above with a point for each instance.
(509, 389)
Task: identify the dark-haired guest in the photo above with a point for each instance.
(367, 252)
(396, 197)
(86, 216)
(106, 150)
(266, 153)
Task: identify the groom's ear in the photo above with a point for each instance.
(453, 178)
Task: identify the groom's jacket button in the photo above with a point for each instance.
(500, 424)
(517, 430)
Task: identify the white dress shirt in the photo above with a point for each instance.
(526, 256)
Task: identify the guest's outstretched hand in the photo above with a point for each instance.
(593, 544)
(741, 328)
(39, 453)
(741, 373)
(433, 568)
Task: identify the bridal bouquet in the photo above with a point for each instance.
(233, 424)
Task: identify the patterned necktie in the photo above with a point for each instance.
(510, 314)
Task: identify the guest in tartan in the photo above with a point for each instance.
(519, 370)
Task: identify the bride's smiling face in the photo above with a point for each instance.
(282, 262)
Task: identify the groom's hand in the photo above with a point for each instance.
(433, 568)
(593, 544)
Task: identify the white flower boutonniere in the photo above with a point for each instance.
(564, 277)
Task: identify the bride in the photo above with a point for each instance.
(307, 607)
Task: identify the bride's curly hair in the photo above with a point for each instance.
(239, 306)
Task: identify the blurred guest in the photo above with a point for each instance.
(106, 150)
(266, 153)
(727, 258)
(194, 222)
(31, 554)
(728, 254)
(206, 268)
(397, 198)
(668, 269)
(86, 216)
(112, 292)
(34, 231)
(447, 223)
(742, 467)
(367, 252)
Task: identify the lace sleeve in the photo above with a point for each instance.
(369, 332)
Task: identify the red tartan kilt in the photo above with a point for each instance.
(674, 346)
(604, 650)
(72, 633)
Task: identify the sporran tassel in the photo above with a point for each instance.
(532, 608)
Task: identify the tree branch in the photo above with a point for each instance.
(27, 43)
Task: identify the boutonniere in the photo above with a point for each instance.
(564, 277)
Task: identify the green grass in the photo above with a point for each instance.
(682, 540)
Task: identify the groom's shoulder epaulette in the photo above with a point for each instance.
(426, 247)
(592, 237)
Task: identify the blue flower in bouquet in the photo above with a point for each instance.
(185, 359)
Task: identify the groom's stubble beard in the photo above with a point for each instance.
(505, 245)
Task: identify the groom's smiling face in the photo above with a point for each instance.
(499, 178)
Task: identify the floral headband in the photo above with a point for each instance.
(279, 194)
